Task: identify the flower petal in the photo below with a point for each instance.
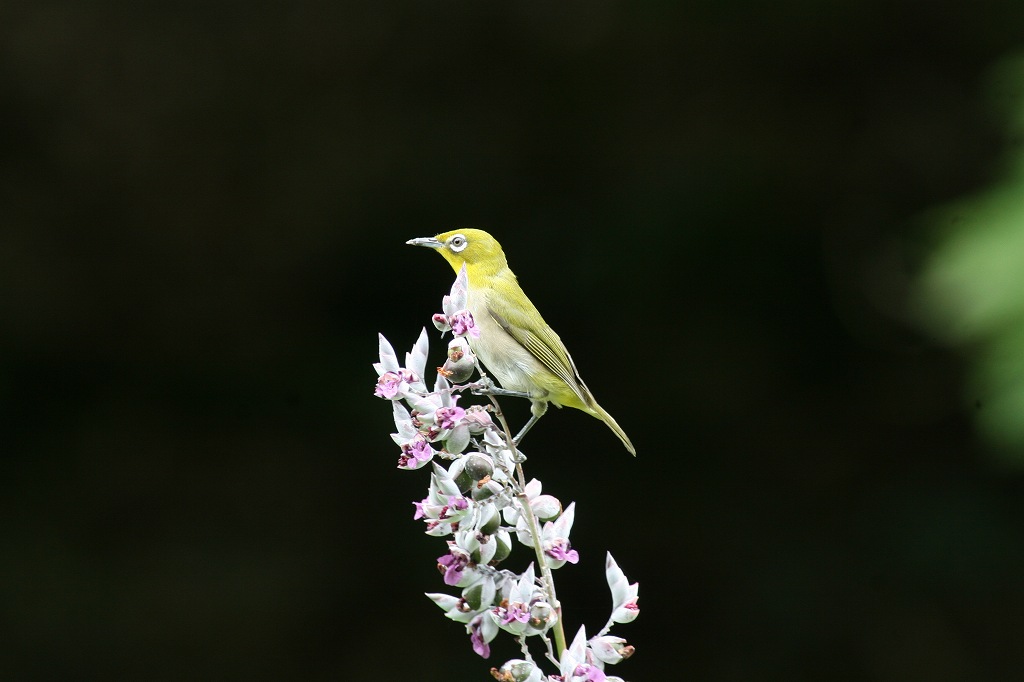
(416, 360)
(388, 358)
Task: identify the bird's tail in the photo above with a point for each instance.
(599, 412)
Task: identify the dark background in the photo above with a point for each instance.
(716, 204)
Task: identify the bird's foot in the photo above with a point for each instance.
(487, 387)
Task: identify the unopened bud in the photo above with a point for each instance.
(490, 520)
(516, 670)
(503, 549)
(458, 439)
(461, 361)
(486, 489)
(472, 596)
(441, 322)
(546, 507)
(540, 612)
(479, 466)
(610, 649)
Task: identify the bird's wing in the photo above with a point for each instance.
(543, 344)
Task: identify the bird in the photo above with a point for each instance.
(515, 344)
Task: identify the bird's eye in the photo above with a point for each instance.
(457, 243)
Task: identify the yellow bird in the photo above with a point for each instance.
(516, 345)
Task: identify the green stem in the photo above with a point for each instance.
(547, 577)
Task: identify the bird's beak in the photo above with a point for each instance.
(426, 241)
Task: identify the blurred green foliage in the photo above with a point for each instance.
(971, 290)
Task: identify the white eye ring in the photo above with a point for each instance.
(457, 243)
